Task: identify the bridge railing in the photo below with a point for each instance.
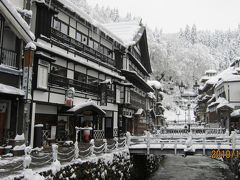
(191, 141)
(193, 130)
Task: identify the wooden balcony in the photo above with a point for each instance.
(137, 101)
(9, 58)
(78, 85)
(73, 44)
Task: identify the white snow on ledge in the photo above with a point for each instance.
(5, 89)
(154, 83)
(10, 12)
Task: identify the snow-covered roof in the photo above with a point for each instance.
(223, 102)
(204, 78)
(139, 111)
(5, 89)
(126, 31)
(107, 81)
(236, 60)
(70, 5)
(212, 98)
(211, 71)
(228, 74)
(86, 104)
(155, 84)
(220, 102)
(235, 113)
(151, 95)
(16, 21)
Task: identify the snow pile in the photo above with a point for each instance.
(5, 89)
(19, 137)
(86, 104)
(19, 148)
(151, 95)
(16, 19)
(55, 167)
(107, 81)
(235, 113)
(28, 174)
(31, 46)
(223, 102)
(155, 84)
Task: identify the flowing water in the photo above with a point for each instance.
(192, 168)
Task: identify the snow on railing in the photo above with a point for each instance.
(188, 143)
(37, 158)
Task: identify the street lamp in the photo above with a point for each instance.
(195, 87)
(181, 87)
(178, 113)
(189, 117)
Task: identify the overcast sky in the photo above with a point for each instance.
(171, 15)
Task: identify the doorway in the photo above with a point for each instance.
(108, 127)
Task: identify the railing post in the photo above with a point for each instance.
(204, 144)
(148, 142)
(128, 136)
(92, 147)
(105, 145)
(175, 147)
(54, 152)
(76, 144)
(116, 142)
(233, 138)
(27, 158)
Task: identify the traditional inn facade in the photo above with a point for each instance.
(85, 75)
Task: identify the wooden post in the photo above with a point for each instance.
(175, 147)
(148, 143)
(54, 152)
(128, 136)
(76, 144)
(204, 145)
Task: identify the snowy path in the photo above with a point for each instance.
(192, 168)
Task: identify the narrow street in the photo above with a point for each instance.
(192, 167)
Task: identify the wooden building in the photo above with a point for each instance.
(14, 35)
(78, 60)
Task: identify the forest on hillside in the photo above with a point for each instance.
(183, 56)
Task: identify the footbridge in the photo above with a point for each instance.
(205, 141)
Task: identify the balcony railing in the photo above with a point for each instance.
(65, 39)
(8, 58)
(78, 85)
(137, 100)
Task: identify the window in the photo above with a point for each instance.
(92, 80)
(56, 24)
(64, 28)
(90, 43)
(84, 39)
(118, 100)
(42, 80)
(95, 45)
(78, 36)
(127, 95)
(80, 77)
(58, 70)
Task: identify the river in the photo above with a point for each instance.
(192, 168)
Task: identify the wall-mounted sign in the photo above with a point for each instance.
(70, 93)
